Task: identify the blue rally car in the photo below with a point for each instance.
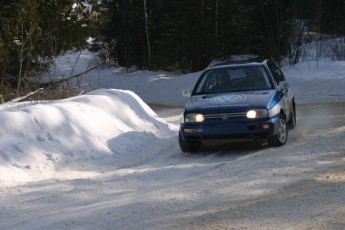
(243, 100)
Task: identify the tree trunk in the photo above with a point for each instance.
(148, 42)
(216, 23)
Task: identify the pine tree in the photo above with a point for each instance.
(35, 30)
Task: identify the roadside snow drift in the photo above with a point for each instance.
(111, 127)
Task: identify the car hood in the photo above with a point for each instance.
(229, 102)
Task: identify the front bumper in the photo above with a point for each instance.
(248, 129)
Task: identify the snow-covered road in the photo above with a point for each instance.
(227, 186)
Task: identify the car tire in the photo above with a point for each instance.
(292, 122)
(281, 137)
(188, 146)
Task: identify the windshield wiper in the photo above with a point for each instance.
(201, 93)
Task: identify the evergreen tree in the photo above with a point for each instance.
(126, 30)
(333, 17)
(188, 34)
(35, 30)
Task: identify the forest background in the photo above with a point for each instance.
(181, 35)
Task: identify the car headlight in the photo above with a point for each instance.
(194, 117)
(257, 113)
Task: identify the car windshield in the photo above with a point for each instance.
(246, 78)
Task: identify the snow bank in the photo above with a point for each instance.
(317, 81)
(112, 127)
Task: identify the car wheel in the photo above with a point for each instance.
(281, 137)
(292, 122)
(188, 146)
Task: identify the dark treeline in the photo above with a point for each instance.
(182, 35)
(187, 34)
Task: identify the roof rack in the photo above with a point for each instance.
(257, 60)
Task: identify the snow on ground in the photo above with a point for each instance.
(112, 118)
(312, 81)
(315, 82)
(107, 126)
(106, 160)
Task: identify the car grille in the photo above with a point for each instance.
(225, 116)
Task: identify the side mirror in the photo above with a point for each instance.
(186, 93)
(283, 85)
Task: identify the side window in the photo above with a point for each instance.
(276, 72)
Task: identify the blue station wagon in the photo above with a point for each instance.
(242, 100)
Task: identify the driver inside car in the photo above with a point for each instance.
(222, 82)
